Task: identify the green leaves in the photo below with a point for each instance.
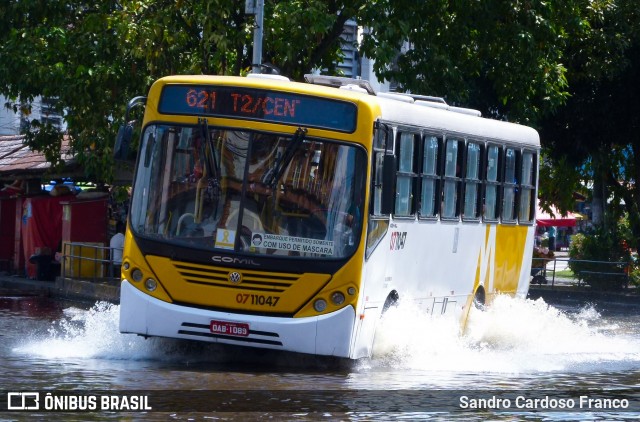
(301, 36)
(504, 58)
(95, 56)
(513, 60)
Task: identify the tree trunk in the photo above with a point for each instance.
(634, 207)
(599, 198)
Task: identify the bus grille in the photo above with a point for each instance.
(251, 280)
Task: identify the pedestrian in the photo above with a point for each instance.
(117, 245)
(552, 238)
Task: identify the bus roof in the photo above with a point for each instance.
(403, 110)
(441, 120)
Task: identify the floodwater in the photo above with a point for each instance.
(518, 360)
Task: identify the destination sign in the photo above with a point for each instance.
(260, 105)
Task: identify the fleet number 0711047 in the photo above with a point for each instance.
(257, 299)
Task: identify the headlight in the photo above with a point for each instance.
(320, 305)
(136, 275)
(337, 298)
(150, 284)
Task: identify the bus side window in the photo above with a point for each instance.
(384, 169)
(406, 176)
(510, 186)
(429, 177)
(377, 183)
(527, 187)
(472, 182)
(492, 183)
(451, 181)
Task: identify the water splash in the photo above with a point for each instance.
(510, 336)
(81, 335)
(94, 333)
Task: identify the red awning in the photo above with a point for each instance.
(545, 219)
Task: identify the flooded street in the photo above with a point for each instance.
(421, 370)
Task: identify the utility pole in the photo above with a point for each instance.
(256, 7)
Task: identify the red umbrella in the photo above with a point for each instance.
(545, 219)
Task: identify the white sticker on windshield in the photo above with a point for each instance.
(292, 243)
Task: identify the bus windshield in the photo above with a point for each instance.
(250, 192)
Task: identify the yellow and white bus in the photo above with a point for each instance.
(290, 216)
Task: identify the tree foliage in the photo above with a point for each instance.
(593, 257)
(597, 131)
(569, 67)
(67, 50)
(303, 35)
(502, 57)
(95, 56)
(559, 179)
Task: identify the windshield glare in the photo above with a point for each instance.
(250, 192)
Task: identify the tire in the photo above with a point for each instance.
(479, 299)
(392, 300)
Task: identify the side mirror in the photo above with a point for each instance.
(125, 133)
(123, 141)
(389, 170)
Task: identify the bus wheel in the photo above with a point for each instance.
(479, 299)
(392, 300)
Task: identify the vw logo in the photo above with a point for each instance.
(235, 277)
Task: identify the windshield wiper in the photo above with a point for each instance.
(275, 173)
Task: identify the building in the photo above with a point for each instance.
(42, 109)
(357, 67)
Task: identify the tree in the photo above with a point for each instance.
(558, 181)
(597, 131)
(304, 35)
(95, 56)
(502, 57)
(507, 59)
(68, 50)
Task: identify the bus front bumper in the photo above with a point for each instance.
(328, 335)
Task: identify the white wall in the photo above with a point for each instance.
(9, 121)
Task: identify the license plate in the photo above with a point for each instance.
(229, 328)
